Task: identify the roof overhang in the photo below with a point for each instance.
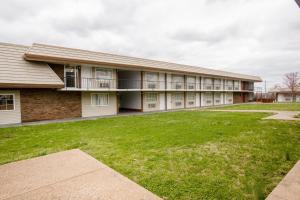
(26, 85)
(63, 60)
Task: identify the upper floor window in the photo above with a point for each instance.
(178, 97)
(100, 99)
(7, 102)
(151, 76)
(103, 73)
(151, 97)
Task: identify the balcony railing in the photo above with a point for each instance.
(97, 83)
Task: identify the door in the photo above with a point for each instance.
(70, 76)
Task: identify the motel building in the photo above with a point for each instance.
(44, 82)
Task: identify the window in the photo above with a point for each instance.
(103, 73)
(178, 97)
(191, 82)
(7, 102)
(151, 97)
(152, 80)
(191, 96)
(100, 99)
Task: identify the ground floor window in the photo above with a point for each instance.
(7, 102)
(100, 99)
(151, 97)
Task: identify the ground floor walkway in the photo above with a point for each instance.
(279, 115)
(69, 175)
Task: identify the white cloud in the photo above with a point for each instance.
(259, 37)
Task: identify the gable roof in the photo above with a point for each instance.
(42, 52)
(17, 72)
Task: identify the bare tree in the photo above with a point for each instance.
(291, 80)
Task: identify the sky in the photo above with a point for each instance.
(256, 37)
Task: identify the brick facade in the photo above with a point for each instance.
(49, 104)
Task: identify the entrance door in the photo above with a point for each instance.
(71, 76)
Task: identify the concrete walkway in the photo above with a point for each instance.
(289, 187)
(279, 115)
(71, 175)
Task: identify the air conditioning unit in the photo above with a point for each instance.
(178, 104)
(217, 87)
(151, 85)
(208, 87)
(152, 105)
(191, 87)
(208, 102)
(104, 85)
(236, 88)
(191, 103)
(218, 101)
(229, 100)
(178, 86)
(229, 88)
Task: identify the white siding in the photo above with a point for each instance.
(89, 110)
(197, 99)
(162, 101)
(11, 116)
(162, 81)
(169, 100)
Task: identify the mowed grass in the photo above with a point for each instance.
(264, 106)
(177, 155)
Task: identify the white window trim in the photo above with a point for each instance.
(14, 99)
(157, 95)
(99, 105)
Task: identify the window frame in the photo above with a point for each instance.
(100, 104)
(151, 93)
(103, 77)
(14, 102)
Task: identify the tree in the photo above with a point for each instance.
(291, 80)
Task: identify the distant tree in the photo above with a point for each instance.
(291, 80)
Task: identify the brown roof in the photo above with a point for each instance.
(42, 52)
(17, 72)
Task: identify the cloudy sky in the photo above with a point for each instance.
(259, 37)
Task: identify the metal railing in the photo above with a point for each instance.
(97, 83)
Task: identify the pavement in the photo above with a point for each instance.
(289, 187)
(72, 175)
(277, 114)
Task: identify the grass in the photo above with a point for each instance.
(177, 155)
(264, 106)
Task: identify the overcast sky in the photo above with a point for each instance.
(258, 37)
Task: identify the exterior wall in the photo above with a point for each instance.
(169, 100)
(130, 100)
(197, 99)
(129, 79)
(207, 99)
(11, 116)
(49, 104)
(89, 110)
(162, 101)
(162, 81)
(238, 97)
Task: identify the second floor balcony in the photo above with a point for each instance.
(130, 84)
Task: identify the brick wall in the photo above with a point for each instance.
(48, 104)
(58, 69)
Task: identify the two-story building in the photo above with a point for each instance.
(44, 82)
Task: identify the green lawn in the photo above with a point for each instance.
(264, 106)
(177, 155)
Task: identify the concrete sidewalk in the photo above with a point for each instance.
(72, 175)
(279, 115)
(289, 187)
